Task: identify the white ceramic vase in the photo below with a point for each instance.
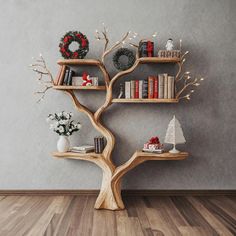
(63, 144)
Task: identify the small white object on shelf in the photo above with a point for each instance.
(174, 134)
(169, 44)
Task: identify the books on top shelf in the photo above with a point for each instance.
(154, 87)
(83, 149)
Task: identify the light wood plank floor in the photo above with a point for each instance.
(74, 215)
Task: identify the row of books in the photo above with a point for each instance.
(71, 79)
(67, 80)
(99, 143)
(154, 87)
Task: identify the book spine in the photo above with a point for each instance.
(169, 78)
(165, 86)
(140, 89)
(96, 145)
(150, 87)
(127, 89)
(170, 87)
(173, 88)
(132, 88)
(69, 80)
(155, 87)
(161, 86)
(136, 89)
(145, 88)
(102, 144)
(66, 77)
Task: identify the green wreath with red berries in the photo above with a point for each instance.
(74, 36)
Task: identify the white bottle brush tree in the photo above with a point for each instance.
(174, 134)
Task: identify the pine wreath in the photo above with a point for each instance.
(74, 36)
(123, 52)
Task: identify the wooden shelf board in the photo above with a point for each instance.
(144, 100)
(66, 87)
(144, 60)
(74, 155)
(163, 156)
(93, 62)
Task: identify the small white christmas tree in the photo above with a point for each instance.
(174, 134)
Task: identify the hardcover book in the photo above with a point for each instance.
(155, 87)
(132, 89)
(66, 77)
(136, 95)
(127, 89)
(161, 86)
(150, 87)
(140, 89)
(145, 88)
(165, 86)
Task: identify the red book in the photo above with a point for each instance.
(155, 87)
(136, 94)
(150, 87)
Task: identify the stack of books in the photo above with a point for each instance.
(83, 149)
(154, 87)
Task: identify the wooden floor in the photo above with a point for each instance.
(74, 215)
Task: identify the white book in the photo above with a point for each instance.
(132, 88)
(165, 86)
(160, 86)
(173, 88)
(83, 148)
(153, 151)
(170, 85)
(140, 89)
(127, 89)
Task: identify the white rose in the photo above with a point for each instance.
(61, 129)
(63, 122)
(78, 126)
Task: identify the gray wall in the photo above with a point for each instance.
(208, 120)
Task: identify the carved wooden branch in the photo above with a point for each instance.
(97, 125)
(109, 89)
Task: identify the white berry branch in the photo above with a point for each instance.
(41, 69)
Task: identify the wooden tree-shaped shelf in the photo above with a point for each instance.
(110, 193)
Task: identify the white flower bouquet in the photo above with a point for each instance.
(62, 124)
